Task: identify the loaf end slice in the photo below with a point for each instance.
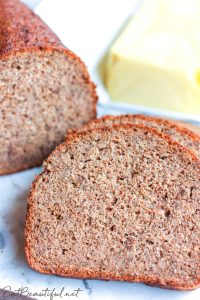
(45, 89)
(118, 203)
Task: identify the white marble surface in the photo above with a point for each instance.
(62, 15)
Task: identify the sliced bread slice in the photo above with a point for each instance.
(186, 134)
(45, 89)
(118, 203)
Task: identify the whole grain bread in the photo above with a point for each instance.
(186, 134)
(45, 89)
(118, 203)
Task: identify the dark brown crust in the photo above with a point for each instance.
(21, 32)
(77, 273)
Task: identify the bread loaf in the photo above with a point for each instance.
(118, 203)
(45, 89)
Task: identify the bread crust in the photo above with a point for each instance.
(89, 274)
(178, 126)
(103, 275)
(22, 32)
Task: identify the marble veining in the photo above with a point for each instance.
(87, 286)
(2, 242)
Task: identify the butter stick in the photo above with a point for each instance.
(156, 60)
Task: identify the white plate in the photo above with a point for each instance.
(88, 28)
(31, 3)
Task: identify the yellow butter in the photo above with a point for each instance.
(156, 60)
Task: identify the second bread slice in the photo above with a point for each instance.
(186, 134)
